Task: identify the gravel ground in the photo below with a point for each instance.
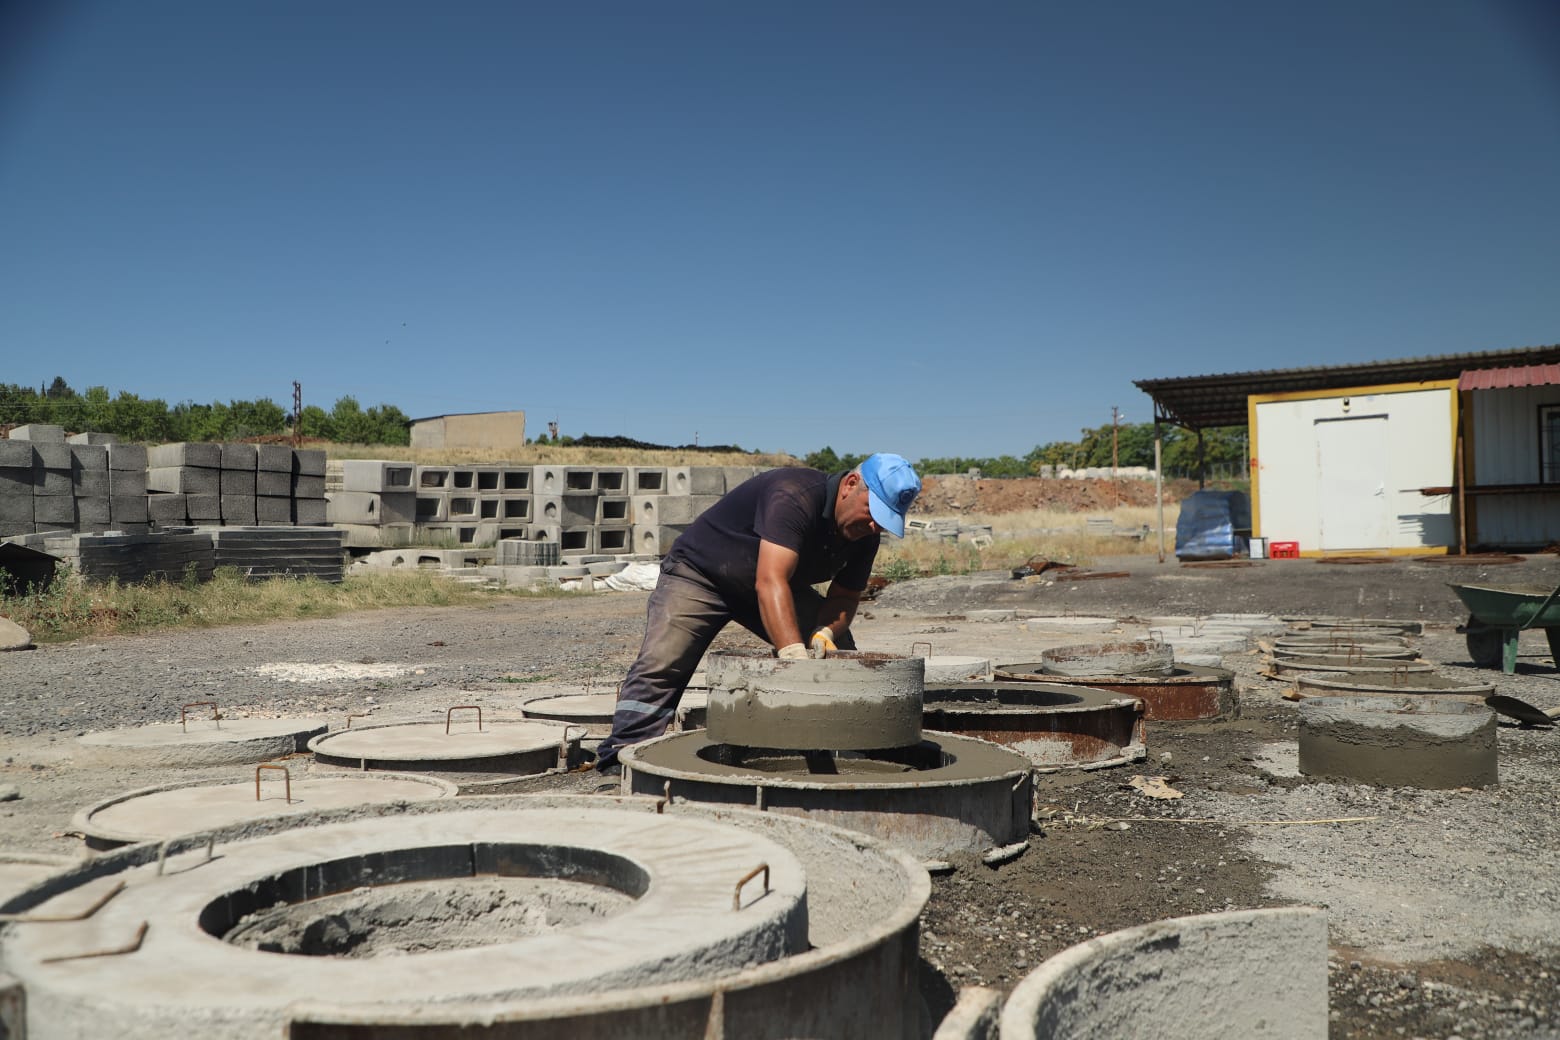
(1443, 906)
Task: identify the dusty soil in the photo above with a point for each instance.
(941, 496)
(1443, 906)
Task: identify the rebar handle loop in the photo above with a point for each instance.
(463, 707)
(921, 643)
(351, 717)
(286, 776)
(736, 896)
(216, 716)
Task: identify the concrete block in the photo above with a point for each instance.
(52, 456)
(463, 478)
(376, 475)
(17, 455)
(546, 533)
(617, 540)
(309, 462)
(15, 481)
(239, 509)
(52, 482)
(567, 510)
(167, 456)
(647, 480)
(13, 529)
(39, 432)
(578, 539)
(524, 553)
(130, 509)
(370, 536)
(488, 507)
(91, 457)
(517, 531)
(684, 509)
(514, 478)
(92, 438)
(240, 456)
(695, 480)
(432, 508)
(519, 576)
(203, 508)
(613, 509)
(546, 480)
(515, 509)
(92, 483)
(557, 480)
(487, 478)
(464, 507)
(16, 509)
(272, 482)
(612, 480)
(433, 478)
(272, 509)
(309, 512)
(366, 507)
(274, 458)
(645, 509)
(237, 482)
(450, 533)
(736, 475)
(53, 509)
(167, 509)
(124, 483)
(91, 512)
(187, 480)
(308, 485)
(655, 539)
(127, 457)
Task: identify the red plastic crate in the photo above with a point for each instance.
(1284, 550)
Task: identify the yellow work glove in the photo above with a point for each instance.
(793, 652)
(823, 641)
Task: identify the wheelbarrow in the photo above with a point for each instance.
(1499, 615)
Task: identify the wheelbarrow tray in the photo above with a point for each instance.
(1498, 614)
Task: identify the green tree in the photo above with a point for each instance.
(315, 422)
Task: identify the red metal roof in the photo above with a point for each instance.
(1514, 375)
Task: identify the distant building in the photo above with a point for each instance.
(472, 431)
(1429, 453)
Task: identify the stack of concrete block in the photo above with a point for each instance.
(184, 484)
(473, 505)
(374, 502)
(127, 494)
(273, 552)
(174, 555)
(53, 484)
(659, 517)
(234, 485)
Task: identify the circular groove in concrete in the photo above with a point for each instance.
(199, 742)
(1053, 725)
(1426, 742)
(159, 813)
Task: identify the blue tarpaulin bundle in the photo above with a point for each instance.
(1213, 526)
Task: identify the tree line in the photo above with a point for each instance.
(1223, 451)
(151, 420)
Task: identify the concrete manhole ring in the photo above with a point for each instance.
(1187, 693)
(1054, 725)
(847, 701)
(199, 741)
(1399, 741)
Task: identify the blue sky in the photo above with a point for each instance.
(931, 228)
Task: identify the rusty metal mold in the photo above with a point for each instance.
(1056, 727)
(1185, 694)
(1398, 741)
(1134, 657)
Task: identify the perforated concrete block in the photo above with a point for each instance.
(461, 534)
(515, 509)
(464, 507)
(92, 483)
(615, 540)
(488, 479)
(376, 475)
(167, 509)
(309, 462)
(17, 455)
(463, 478)
(367, 507)
(169, 456)
(433, 478)
(238, 482)
(239, 509)
(612, 480)
(546, 533)
(240, 456)
(129, 509)
(37, 432)
(52, 456)
(578, 539)
(684, 509)
(185, 480)
(565, 510)
(276, 483)
(735, 476)
(515, 479)
(645, 509)
(127, 457)
(695, 480)
(309, 512)
(655, 539)
(273, 509)
(613, 509)
(546, 480)
(88, 457)
(203, 508)
(647, 480)
(307, 485)
(274, 458)
(369, 536)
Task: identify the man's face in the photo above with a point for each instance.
(853, 512)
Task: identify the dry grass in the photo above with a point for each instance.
(545, 455)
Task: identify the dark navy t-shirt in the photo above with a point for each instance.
(792, 507)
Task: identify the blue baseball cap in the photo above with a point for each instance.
(891, 489)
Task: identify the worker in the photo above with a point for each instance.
(753, 557)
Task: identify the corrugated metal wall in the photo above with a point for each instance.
(1503, 425)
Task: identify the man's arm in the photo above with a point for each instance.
(839, 608)
(776, 606)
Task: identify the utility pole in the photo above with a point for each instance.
(1115, 437)
(297, 437)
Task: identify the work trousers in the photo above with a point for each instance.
(684, 615)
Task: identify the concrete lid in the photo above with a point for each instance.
(200, 731)
(429, 741)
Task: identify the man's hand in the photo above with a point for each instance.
(823, 641)
(793, 652)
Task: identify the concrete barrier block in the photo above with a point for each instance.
(240, 457)
(203, 508)
(129, 509)
(617, 540)
(647, 480)
(91, 512)
(88, 457)
(433, 478)
(126, 483)
(17, 455)
(515, 509)
(309, 462)
(695, 480)
(734, 476)
(127, 457)
(307, 485)
(16, 509)
(656, 539)
(55, 509)
(546, 480)
(37, 432)
(432, 508)
(612, 480)
(53, 456)
(272, 509)
(309, 512)
(515, 479)
(274, 458)
(167, 509)
(464, 507)
(684, 509)
(169, 456)
(488, 479)
(52, 482)
(239, 509)
(463, 478)
(273, 482)
(238, 482)
(92, 483)
(613, 509)
(645, 509)
(15, 481)
(92, 438)
(367, 507)
(578, 539)
(185, 480)
(566, 510)
(376, 475)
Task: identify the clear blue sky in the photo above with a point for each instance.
(932, 228)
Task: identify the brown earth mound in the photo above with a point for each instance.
(958, 494)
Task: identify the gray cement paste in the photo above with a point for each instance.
(1398, 741)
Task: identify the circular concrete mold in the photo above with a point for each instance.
(1054, 726)
(590, 710)
(19, 871)
(847, 701)
(1187, 693)
(1339, 663)
(1363, 652)
(1244, 973)
(1398, 741)
(199, 741)
(1071, 623)
(956, 668)
(1372, 684)
(620, 919)
(1134, 657)
(461, 745)
(942, 795)
(159, 813)
(1334, 644)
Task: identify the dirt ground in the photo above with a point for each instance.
(1443, 906)
(945, 495)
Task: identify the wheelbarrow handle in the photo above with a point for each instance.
(1540, 611)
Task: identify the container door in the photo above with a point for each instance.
(1351, 463)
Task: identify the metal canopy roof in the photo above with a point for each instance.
(1199, 402)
